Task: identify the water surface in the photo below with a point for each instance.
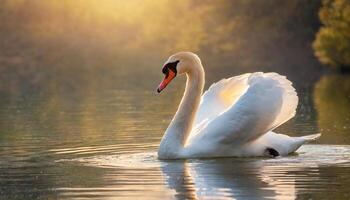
(103, 143)
(80, 118)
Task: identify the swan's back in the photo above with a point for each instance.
(224, 94)
(239, 110)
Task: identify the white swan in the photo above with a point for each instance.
(234, 117)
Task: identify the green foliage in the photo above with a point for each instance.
(332, 44)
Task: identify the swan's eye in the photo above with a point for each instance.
(165, 70)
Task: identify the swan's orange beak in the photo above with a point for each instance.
(167, 79)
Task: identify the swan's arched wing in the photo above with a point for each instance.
(220, 96)
(268, 101)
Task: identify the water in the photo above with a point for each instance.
(80, 118)
(103, 143)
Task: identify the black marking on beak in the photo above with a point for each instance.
(170, 66)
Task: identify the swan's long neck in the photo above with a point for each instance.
(180, 127)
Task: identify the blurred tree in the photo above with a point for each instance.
(74, 42)
(332, 44)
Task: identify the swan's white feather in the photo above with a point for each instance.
(260, 103)
(283, 144)
(220, 96)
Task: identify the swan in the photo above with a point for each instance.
(233, 118)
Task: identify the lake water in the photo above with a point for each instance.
(100, 141)
(80, 117)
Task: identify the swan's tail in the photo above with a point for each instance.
(302, 140)
(312, 137)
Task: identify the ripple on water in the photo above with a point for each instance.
(135, 160)
(307, 156)
(141, 174)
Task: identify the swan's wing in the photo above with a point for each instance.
(220, 96)
(268, 101)
(217, 99)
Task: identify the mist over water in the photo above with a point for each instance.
(80, 118)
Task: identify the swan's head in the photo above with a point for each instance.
(179, 63)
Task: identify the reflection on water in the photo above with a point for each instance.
(239, 178)
(59, 146)
(332, 101)
(77, 92)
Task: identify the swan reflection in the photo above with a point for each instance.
(303, 176)
(227, 179)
